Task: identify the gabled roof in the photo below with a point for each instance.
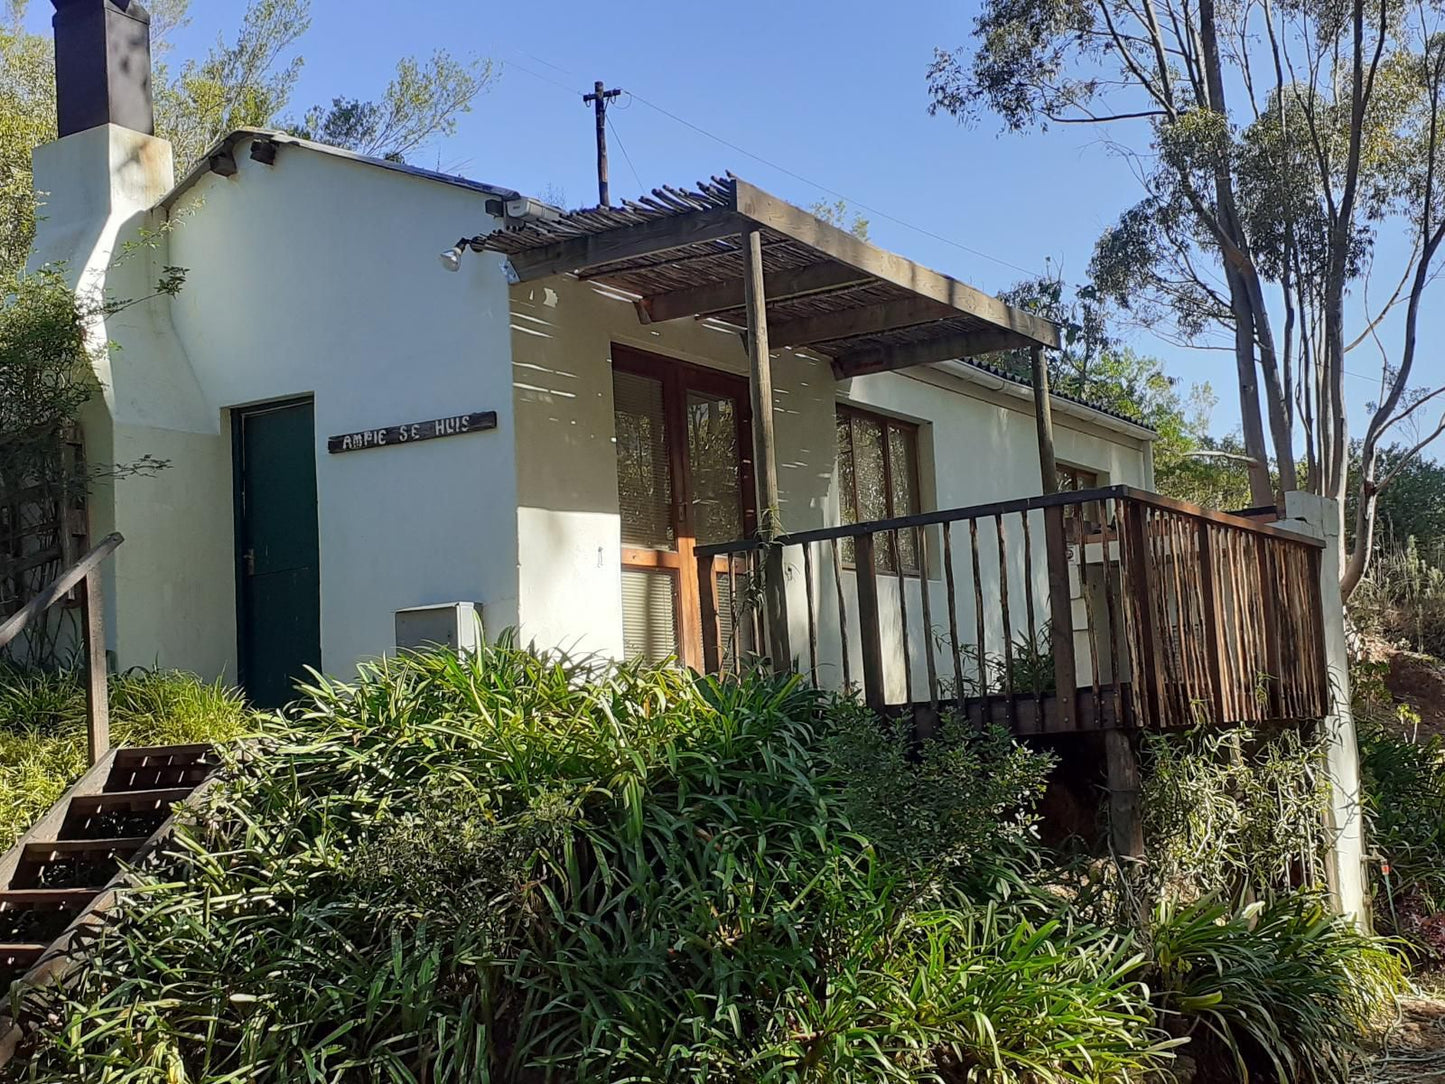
(215, 161)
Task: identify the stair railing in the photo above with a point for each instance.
(84, 575)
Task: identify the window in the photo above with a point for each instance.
(1073, 480)
(878, 479)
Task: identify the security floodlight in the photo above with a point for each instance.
(452, 258)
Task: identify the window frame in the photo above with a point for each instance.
(914, 440)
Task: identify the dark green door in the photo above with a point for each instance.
(277, 549)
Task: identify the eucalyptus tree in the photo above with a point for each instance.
(1287, 150)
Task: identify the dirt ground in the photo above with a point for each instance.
(1414, 1051)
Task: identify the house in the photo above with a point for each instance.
(697, 425)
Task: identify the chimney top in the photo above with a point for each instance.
(102, 65)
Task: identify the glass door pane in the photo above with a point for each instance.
(644, 472)
(716, 474)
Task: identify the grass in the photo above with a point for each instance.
(43, 730)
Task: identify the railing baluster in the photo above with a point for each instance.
(1061, 617)
(921, 546)
(1188, 683)
(1270, 616)
(1215, 649)
(755, 605)
(734, 646)
(842, 614)
(1008, 644)
(812, 617)
(869, 636)
(1110, 607)
(1077, 525)
(1149, 671)
(903, 615)
(981, 644)
(707, 605)
(959, 693)
(1033, 620)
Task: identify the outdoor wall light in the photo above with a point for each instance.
(452, 258)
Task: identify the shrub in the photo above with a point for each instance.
(1283, 986)
(1402, 597)
(43, 729)
(504, 867)
(1402, 785)
(1231, 813)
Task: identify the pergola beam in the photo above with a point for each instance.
(882, 359)
(625, 243)
(864, 320)
(727, 295)
(775, 214)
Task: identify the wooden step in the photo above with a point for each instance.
(159, 766)
(49, 899)
(153, 767)
(72, 863)
(128, 801)
(121, 847)
(20, 955)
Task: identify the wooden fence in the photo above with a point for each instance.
(1110, 608)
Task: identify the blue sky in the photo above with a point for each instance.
(819, 101)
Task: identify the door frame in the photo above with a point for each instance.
(238, 510)
(677, 379)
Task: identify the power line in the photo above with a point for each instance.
(626, 157)
(830, 191)
(774, 165)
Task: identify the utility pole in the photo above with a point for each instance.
(598, 100)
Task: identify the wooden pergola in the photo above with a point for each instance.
(731, 252)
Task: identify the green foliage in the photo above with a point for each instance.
(1402, 785)
(1284, 987)
(1411, 506)
(420, 103)
(1229, 814)
(504, 867)
(1095, 366)
(43, 730)
(1402, 597)
(960, 805)
(840, 214)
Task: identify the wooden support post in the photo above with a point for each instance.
(1044, 420)
(765, 458)
(97, 705)
(1126, 825)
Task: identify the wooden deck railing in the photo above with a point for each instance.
(1111, 608)
(84, 575)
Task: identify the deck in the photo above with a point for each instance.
(1108, 609)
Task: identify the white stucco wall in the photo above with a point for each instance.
(313, 276)
(977, 444)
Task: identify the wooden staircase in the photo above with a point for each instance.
(61, 877)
